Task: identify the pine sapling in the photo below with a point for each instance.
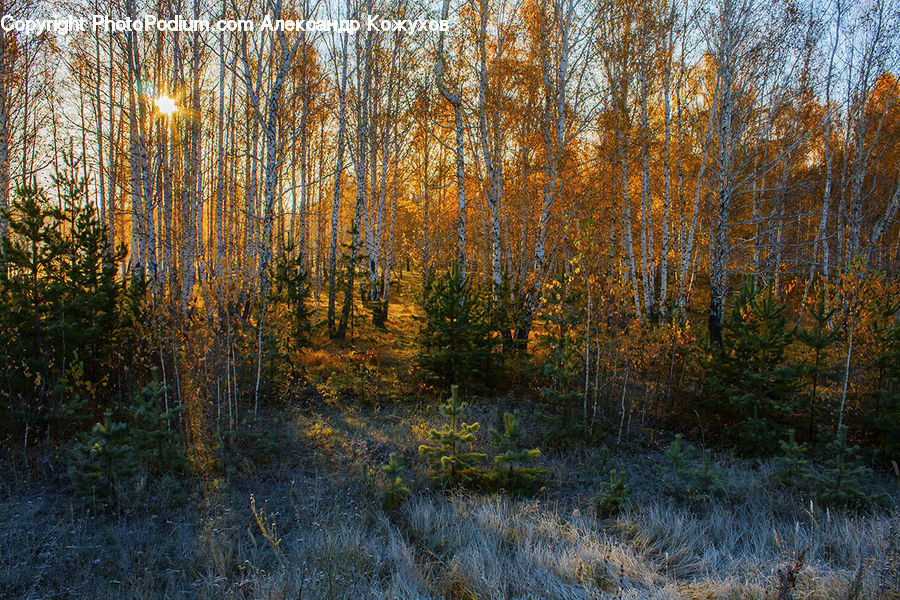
(395, 491)
(793, 466)
(512, 472)
(819, 339)
(690, 480)
(844, 479)
(614, 497)
(447, 458)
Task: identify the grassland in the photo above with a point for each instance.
(296, 514)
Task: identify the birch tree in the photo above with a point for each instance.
(454, 99)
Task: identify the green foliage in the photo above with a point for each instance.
(689, 479)
(561, 428)
(361, 378)
(884, 415)
(448, 458)
(65, 333)
(456, 330)
(680, 455)
(819, 339)
(614, 497)
(288, 316)
(289, 296)
(749, 385)
(793, 466)
(155, 430)
(564, 369)
(512, 472)
(113, 463)
(843, 480)
(395, 491)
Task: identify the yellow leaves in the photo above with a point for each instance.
(320, 432)
(421, 430)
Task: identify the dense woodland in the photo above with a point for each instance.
(628, 220)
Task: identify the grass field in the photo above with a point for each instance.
(319, 531)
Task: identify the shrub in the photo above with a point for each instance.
(456, 332)
(512, 472)
(395, 491)
(447, 458)
(614, 497)
(114, 461)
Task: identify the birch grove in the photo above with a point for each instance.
(679, 147)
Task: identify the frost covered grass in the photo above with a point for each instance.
(319, 531)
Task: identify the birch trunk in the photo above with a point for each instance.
(720, 219)
(667, 185)
(646, 203)
(220, 159)
(338, 171)
(6, 40)
(360, 164)
(491, 168)
(455, 101)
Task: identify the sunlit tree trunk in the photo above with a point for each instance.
(455, 101)
(6, 63)
(338, 171)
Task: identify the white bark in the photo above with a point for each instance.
(455, 101)
(338, 171)
(646, 202)
(220, 159)
(490, 151)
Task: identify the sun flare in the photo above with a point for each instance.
(166, 105)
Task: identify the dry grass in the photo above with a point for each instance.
(327, 537)
(320, 532)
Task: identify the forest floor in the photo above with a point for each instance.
(298, 515)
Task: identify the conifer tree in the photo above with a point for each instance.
(91, 320)
(614, 497)
(448, 457)
(30, 299)
(113, 461)
(512, 471)
(506, 309)
(564, 369)
(884, 416)
(749, 383)
(818, 338)
(843, 480)
(455, 333)
(793, 466)
(395, 492)
(290, 295)
(687, 479)
(59, 309)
